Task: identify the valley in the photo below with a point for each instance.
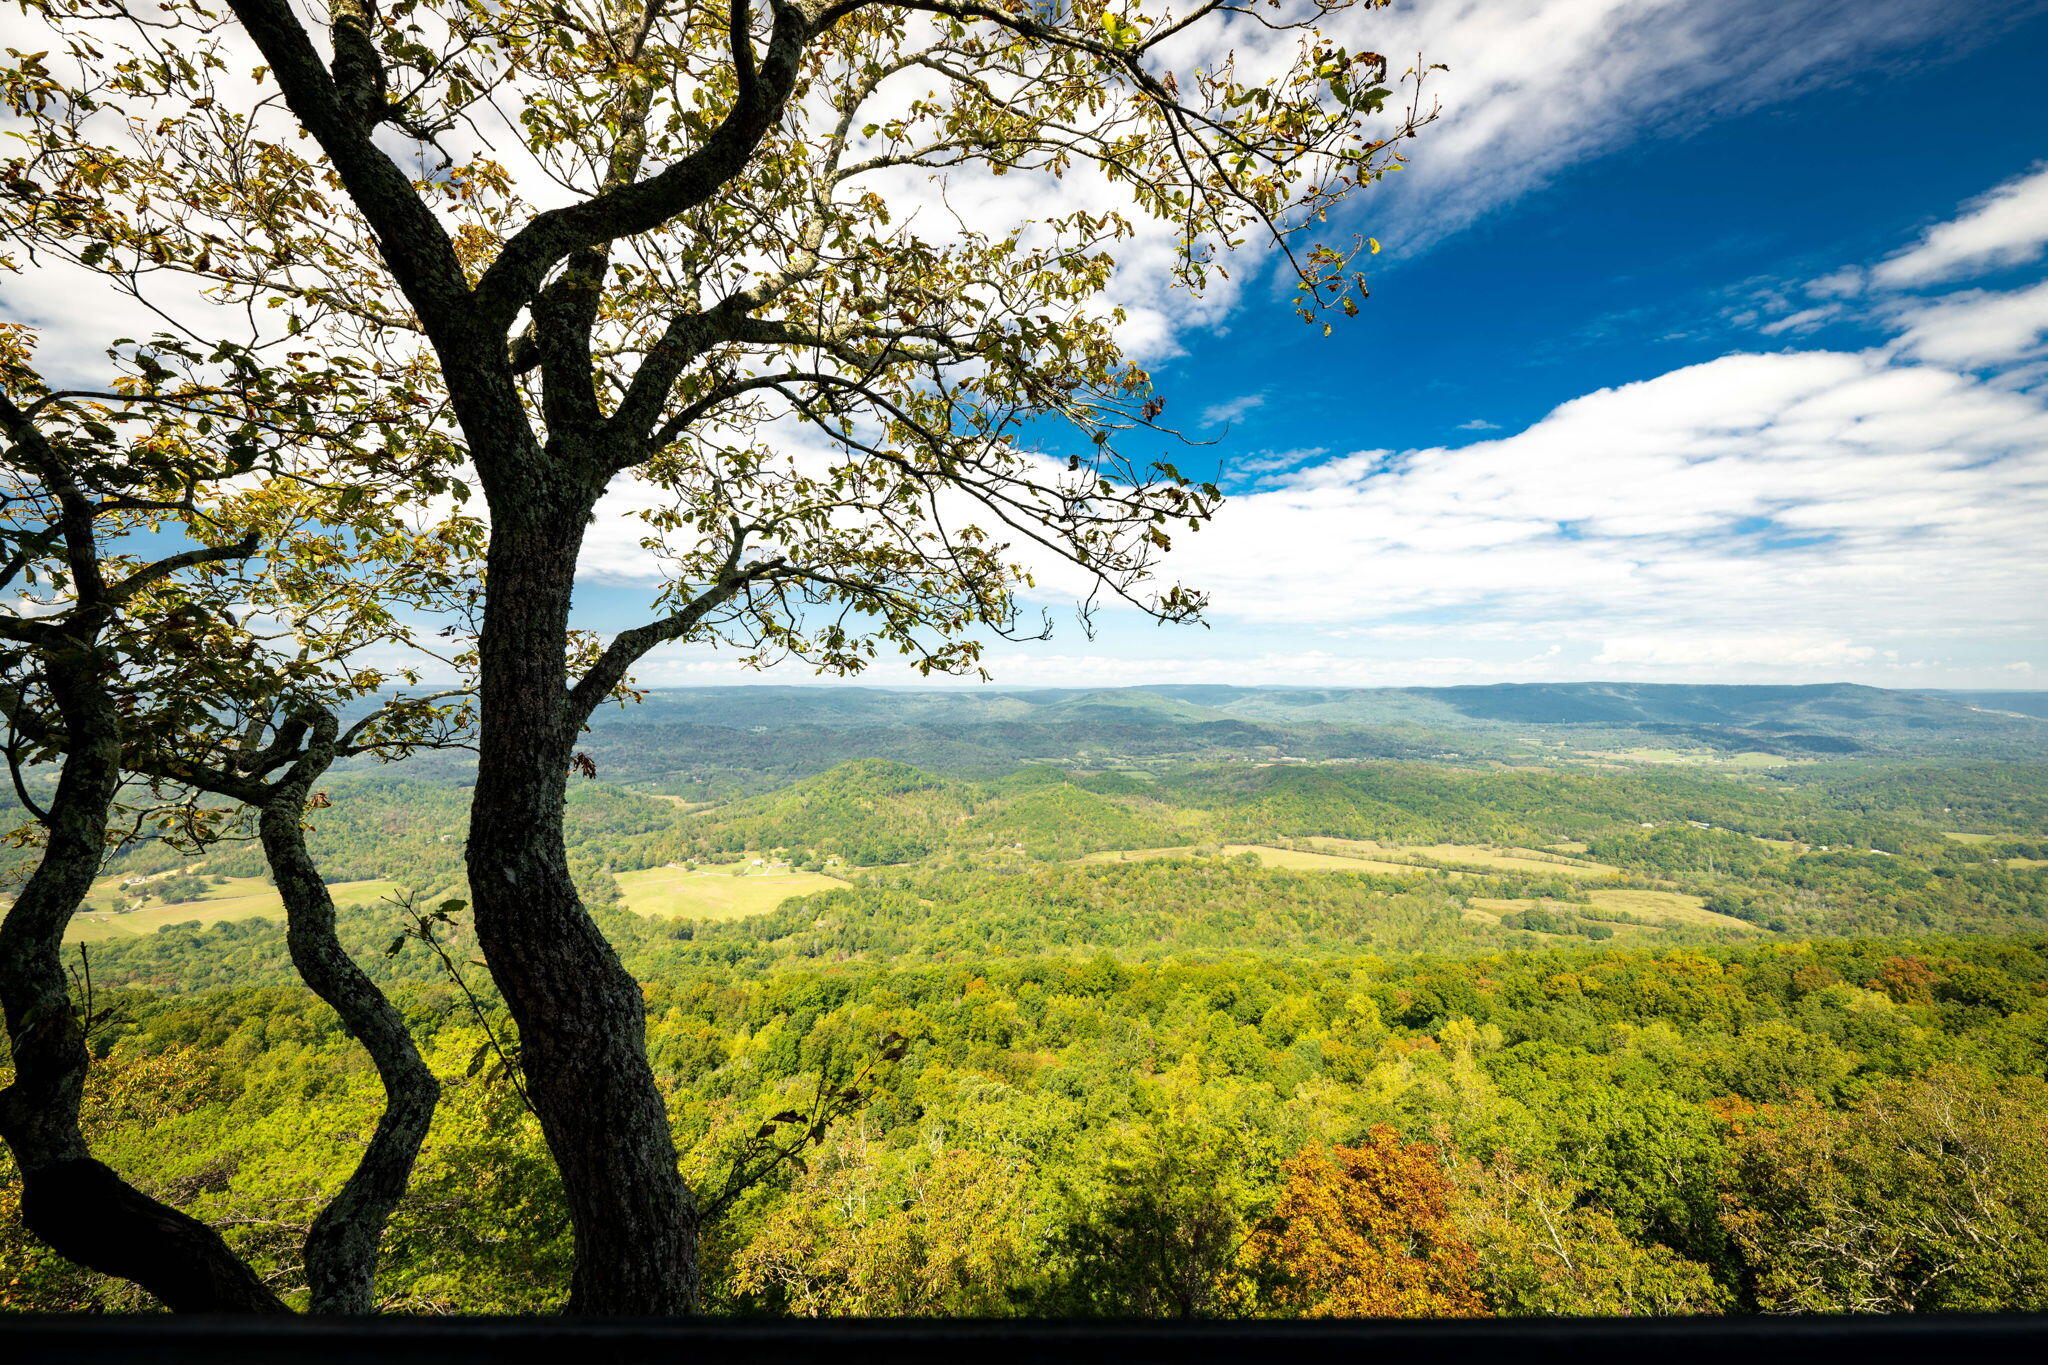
(1657, 1026)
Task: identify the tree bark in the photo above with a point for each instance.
(581, 1017)
(78, 1205)
(341, 1250)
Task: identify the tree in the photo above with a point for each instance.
(873, 1234)
(275, 781)
(1161, 1231)
(688, 272)
(1369, 1232)
(1543, 1246)
(140, 665)
(1928, 1195)
(64, 478)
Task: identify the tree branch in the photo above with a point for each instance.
(630, 646)
(514, 278)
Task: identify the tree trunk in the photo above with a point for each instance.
(581, 1017)
(76, 1204)
(341, 1249)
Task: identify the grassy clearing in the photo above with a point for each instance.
(1140, 855)
(1303, 860)
(1655, 907)
(1665, 907)
(688, 806)
(1489, 910)
(1287, 859)
(716, 892)
(1361, 855)
(1475, 855)
(1694, 758)
(239, 899)
(1963, 838)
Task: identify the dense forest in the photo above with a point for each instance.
(1855, 1125)
(1187, 1039)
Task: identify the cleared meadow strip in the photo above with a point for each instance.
(723, 891)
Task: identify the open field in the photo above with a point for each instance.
(688, 806)
(1140, 855)
(1288, 859)
(1360, 855)
(1692, 758)
(1304, 860)
(1489, 910)
(1473, 855)
(716, 892)
(240, 898)
(1963, 838)
(1655, 907)
(1665, 907)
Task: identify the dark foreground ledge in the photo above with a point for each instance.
(565, 1341)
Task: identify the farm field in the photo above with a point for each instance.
(1286, 859)
(1360, 855)
(1474, 855)
(1694, 758)
(239, 898)
(716, 892)
(1655, 907)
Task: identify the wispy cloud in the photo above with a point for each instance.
(2006, 227)
(1913, 292)
(1537, 86)
(1479, 424)
(1978, 327)
(1836, 496)
(1274, 461)
(1232, 410)
(1741, 649)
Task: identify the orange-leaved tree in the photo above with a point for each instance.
(1368, 1232)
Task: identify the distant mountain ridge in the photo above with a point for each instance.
(2018, 703)
(1837, 708)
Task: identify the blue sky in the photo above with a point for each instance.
(1701, 348)
(1709, 342)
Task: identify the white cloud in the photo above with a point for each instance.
(1273, 461)
(1842, 284)
(1479, 424)
(1746, 649)
(1231, 410)
(1787, 517)
(1977, 327)
(1536, 86)
(1973, 328)
(2008, 226)
(1838, 497)
(1805, 320)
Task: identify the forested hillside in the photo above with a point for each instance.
(1855, 1125)
(1622, 1036)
